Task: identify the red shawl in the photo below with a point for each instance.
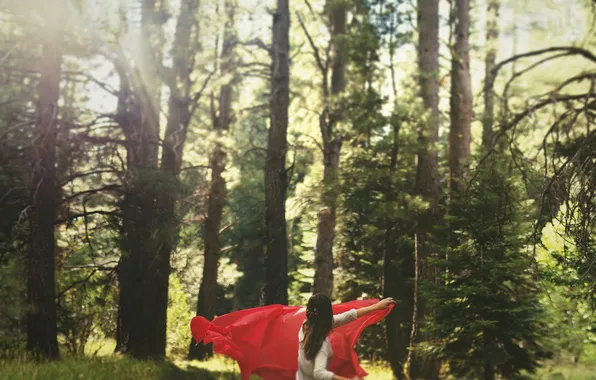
(264, 340)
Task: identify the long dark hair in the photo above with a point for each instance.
(319, 321)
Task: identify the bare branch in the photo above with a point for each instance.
(108, 188)
(554, 98)
(75, 284)
(320, 64)
(88, 77)
(85, 215)
(571, 50)
(80, 175)
(258, 43)
(101, 140)
(314, 140)
(195, 167)
(199, 94)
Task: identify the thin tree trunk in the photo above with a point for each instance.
(427, 177)
(41, 277)
(221, 119)
(492, 43)
(397, 275)
(208, 291)
(397, 263)
(327, 217)
(276, 260)
(461, 96)
(179, 115)
(413, 371)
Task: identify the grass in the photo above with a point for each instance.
(115, 367)
(567, 372)
(119, 368)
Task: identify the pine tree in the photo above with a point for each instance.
(488, 316)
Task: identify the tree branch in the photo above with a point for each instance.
(553, 98)
(569, 49)
(75, 284)
(80, 175)
(199, 94)
(256, 42)
(84, 215)
(113, 188)
(312, 45)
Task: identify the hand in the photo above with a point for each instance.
(384, 304)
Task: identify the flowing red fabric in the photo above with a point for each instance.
(264, 340)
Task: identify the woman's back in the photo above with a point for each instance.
(316, 369)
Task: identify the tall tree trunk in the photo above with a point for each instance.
(276, 260)
(492, 43)
(142, 309)
(208, 291)
(179, 115)
(221, 119)
(327, 216)
(323, 281)
(397, 279)
(427, 177)
(461, 96)
(41, 277)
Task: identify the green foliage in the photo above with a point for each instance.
(16, 130)
(376, 196)
(488, 319)
(246, 200)
(569, 312)
(12, 297)
(179, 316)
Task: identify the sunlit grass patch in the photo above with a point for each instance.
(378, 370)
(567, 372)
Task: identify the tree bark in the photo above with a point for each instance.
(41, 277)
(179, 115)
(397, 280)
(492, 43)
(461, 96)
(327, 216)
(208, 291)
(221, 119)
(142, 270)
(276, 260)
(427, 176)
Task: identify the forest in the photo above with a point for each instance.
(162, 159)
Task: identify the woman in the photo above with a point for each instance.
(315, 351)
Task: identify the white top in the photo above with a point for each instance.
(317, 369)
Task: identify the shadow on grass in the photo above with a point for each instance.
(111, 368)
(172, 371)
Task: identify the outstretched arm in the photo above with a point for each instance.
(383, 304)
(349, 316)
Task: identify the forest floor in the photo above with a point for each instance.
(120, 368)
(570, 372)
